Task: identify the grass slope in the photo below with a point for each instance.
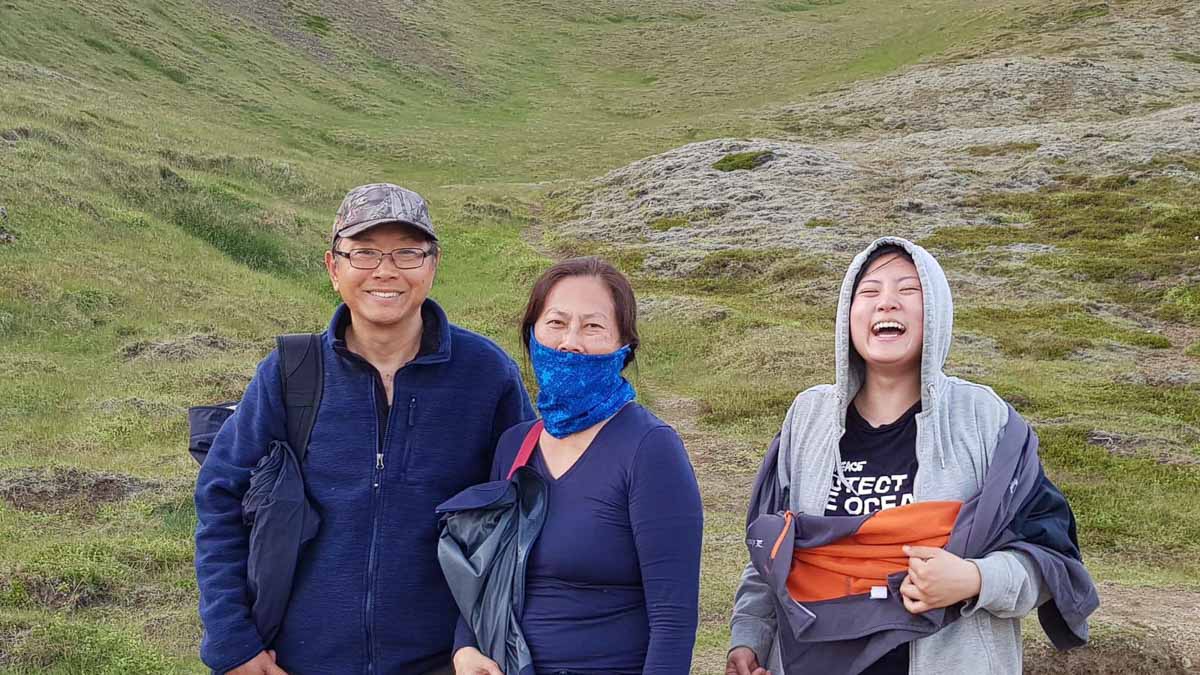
(169, 169)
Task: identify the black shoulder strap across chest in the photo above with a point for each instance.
(303, 380)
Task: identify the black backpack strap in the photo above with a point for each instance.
(303, 380)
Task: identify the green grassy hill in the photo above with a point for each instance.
(169, 170)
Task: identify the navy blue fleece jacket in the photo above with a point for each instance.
(368, 596)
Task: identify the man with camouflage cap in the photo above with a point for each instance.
(411, 409)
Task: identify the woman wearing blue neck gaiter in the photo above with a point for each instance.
(612, 582)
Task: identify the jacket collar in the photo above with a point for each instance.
(435, 334)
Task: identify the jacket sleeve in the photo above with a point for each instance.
(513, 406)
(222, 541)
(463, 636)
(753, 623)
(667, 519)
(1010, 585)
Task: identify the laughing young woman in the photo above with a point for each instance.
(892, 431)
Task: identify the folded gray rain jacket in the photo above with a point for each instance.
(847, 634)
(487, 532)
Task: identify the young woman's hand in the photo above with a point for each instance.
(937, 578)
(470, 661)
(743, 661)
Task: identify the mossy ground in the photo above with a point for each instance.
(169, 172)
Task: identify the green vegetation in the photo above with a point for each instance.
(1187, 57)
(668, 223)
(1002, 149)
(1124, 236)
(743, 161)
(1182, 303)
(1080, 14)
(1050, 331)
(802, 6)
(170, 172)
(821, 222)
(318, 25)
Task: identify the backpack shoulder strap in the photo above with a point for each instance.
(303, 380)
(526, 450)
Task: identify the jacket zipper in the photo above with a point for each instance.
(372, 562)
(412, 422)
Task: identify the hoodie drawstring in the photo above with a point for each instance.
(941, 452)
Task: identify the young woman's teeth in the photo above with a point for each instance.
(892, 327)
(384, 294)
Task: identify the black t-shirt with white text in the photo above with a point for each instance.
(880, 464)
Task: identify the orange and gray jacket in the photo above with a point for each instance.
(835, 579)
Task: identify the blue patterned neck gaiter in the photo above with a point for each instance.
(575, 390)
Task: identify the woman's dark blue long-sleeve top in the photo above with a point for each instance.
(612, 584)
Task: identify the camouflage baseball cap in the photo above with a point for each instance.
(369, 205)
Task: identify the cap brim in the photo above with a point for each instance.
(359, 228)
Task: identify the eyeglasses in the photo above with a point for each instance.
(372, 258)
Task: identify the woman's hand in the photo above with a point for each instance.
(263, 664)
(470, 661)
(937, 578)
(743, 661)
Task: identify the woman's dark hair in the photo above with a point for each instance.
(624, 304)
(886, 249)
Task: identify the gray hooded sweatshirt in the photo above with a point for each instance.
(958, 428)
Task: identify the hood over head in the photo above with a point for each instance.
(939, 323)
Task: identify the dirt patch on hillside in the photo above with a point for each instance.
(1159, 633)
(11, 634)
(67, 489)
(1126, 445)
(180, 349)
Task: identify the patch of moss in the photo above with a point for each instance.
(1186, 57)
(821, 222)
(151, 61)
(1182, 303)
(738, 263)
(1001, 149)
(668, 223)
(797, 268)
(98, 45)
(1134, 238)
(317, 25)
(802, 6)
(1050, 331)
(626, 18)
(1194, 349)
(1089, 12)
(743, 161)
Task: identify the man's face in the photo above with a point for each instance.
(384, 296)
(887, 314)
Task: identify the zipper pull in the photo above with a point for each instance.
(412, 411)
(379, 461)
